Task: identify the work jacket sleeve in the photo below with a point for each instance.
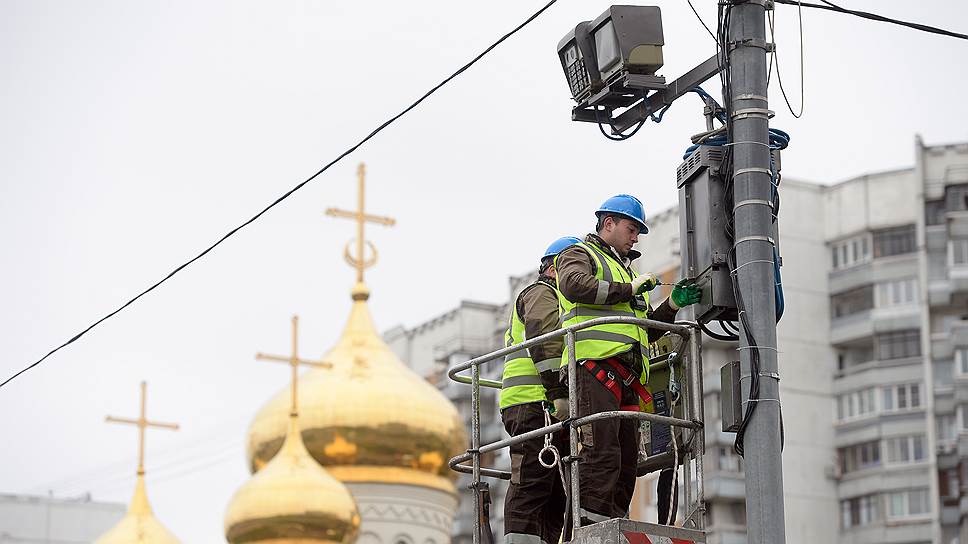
(538, 308)
(664, 313)
(577, 281)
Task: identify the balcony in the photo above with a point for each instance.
(851, 327)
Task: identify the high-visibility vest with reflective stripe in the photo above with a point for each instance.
(521, 381)
(611, 339)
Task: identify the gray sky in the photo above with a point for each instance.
(133, 134)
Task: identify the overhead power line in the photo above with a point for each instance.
(288, 193)
(875, 17)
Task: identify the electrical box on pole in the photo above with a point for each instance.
(704, 242)
(703, 235)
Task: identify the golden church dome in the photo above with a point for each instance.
(366, 418)
(139, 525)
(292, 500)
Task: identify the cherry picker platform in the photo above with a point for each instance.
(672, 434)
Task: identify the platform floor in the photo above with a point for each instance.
(624, 531)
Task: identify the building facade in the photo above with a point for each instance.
(873, 358)
(30, 518)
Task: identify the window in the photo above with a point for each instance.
(959, 251)
(859, 456)
(897, 344)
(946, 427)
(729, 461)
(894, 241)
(956, 197)
(948, 484)
(856, 404)
(961, 361)
(908, 503)
(851, 252)
(904, 449)
(934, 212)
(902, 397)
(853, 301)
(896, 293)
(859, 511)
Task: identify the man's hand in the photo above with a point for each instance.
(644, 283)
(561, 409)
(684, 294)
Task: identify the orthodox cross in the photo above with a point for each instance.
(142, 424)
(294, 362)
(359, 261)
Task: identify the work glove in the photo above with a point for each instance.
(561, 409)
(684, 294)
(644, 283)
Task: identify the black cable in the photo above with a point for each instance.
(875, 17)
(775, 57)
(288, 193)
(619, 137)
(703, 23)
(716, 335)
(728, 325)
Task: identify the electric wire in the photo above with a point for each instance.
(875, 17)
(287, 194)
(703, 23)
(775, 57)
(718, 336)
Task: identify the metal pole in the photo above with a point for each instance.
(752, 195)
(696, 396)
(475, 449)
(575, 487)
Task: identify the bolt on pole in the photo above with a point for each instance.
(753, 184)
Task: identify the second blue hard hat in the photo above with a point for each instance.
(626, 206)
(560, 245)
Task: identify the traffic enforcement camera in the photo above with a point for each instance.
(601, 53)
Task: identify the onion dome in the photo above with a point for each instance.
(139, 525)
(292, 500)
(367, 417)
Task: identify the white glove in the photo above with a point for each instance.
(561, 409)
(643, 283)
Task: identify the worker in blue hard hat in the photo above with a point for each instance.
(595, 279)
(534, 506)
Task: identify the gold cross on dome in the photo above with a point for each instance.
(294, 361)
(359, 261)
(142, 424)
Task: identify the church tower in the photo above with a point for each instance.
(374, 424)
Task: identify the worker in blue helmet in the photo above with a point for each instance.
(596, 279)
(531, 393)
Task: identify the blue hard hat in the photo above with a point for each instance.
(627, 206)
(560, 245)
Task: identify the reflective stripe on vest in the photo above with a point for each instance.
(520, 380)
(608, 340)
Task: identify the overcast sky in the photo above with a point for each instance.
(133, 134)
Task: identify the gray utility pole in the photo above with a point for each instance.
(752, 211)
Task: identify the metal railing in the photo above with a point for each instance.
(692, 409)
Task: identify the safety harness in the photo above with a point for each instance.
(613, 384)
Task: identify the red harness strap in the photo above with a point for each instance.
(614, 385)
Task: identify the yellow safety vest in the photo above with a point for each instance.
(611, 339)
(521, 380)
